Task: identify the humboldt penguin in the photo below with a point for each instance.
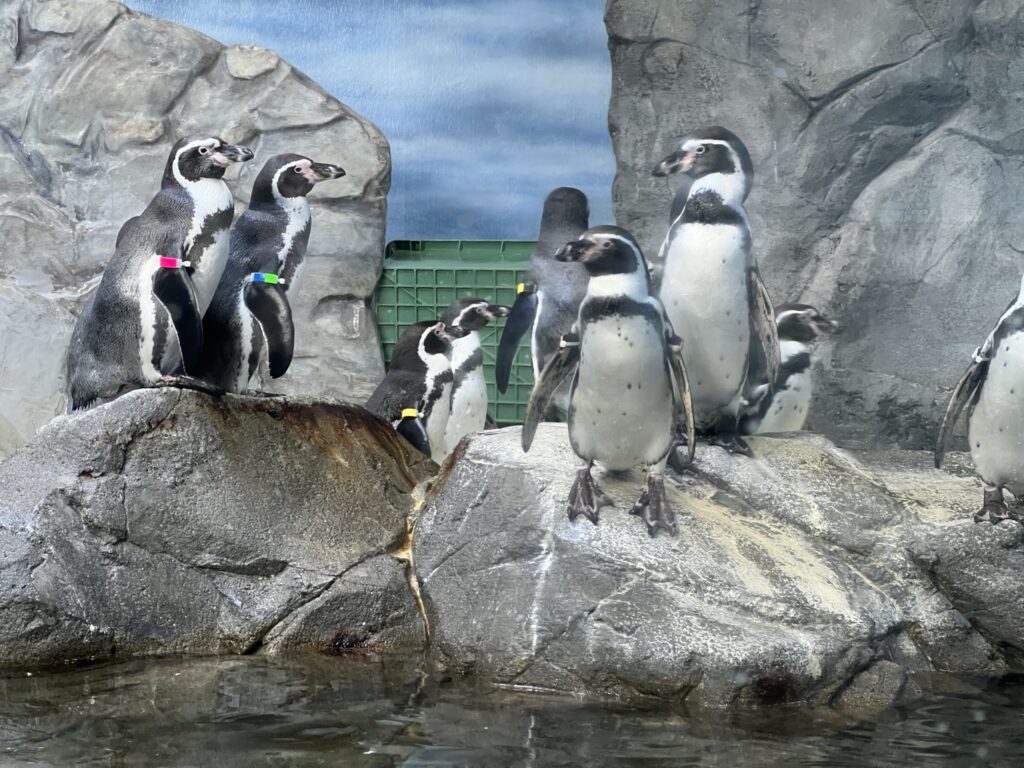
(785, 408)
(548, 299)
(469, 387)
(629, 393)
(143, 324)
(711, 286)
(995, 413)
(419, 377)
(248, 327)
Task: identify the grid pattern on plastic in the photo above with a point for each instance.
(422, 277)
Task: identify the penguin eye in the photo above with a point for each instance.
(700, 149)
(297, 169)
(204, 150)
(606, 244)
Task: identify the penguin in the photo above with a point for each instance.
(995, 413)
(711, 286)
(469, 387)
(629, 392)
(248, 326)
(785, 409)
(548, 299)
(143, 324)
(419, 377)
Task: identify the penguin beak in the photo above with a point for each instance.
(824, 326)
(325, 171)
(573, 251)
(498, 310)
(231, 153)
(678, 162)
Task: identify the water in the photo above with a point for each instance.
(358, 711)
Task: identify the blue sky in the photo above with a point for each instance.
(487, 105)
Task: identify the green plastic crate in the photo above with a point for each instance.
(422, 277)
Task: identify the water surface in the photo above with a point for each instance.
(358, 711)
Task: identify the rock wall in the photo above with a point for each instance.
(169, 522)
(886, 143)
(94, 96)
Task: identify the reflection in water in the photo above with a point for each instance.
(368, 712)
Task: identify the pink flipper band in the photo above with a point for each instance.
(169, 262)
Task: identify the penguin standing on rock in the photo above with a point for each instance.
(710, 284)
(419, 380)
(992, 390)
(249, 323)
(143, 324)
(469, 387)
(548, 300)
(785, 408)
(629, 388)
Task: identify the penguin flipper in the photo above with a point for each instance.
(682, 392)
(520, 320)
(762, 315)
(966, 389)
(559, 367)
(270, 307)
(174, 290)
(414, 431)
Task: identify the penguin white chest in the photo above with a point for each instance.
(621, 404)
(149, 319)
(206, 244)
(789, 407)
(437, 406)
(704, 291)
(469, 391)
(996, 429)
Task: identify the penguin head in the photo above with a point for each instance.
(202, 157)
(803, 323)
(708, 150)
(435, 339)
(471, 314)
(605, 250)
(289, 175)
(565, 207)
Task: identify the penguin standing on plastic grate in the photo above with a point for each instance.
(469, 387)
(992, 390)
(419, 379)
(785, 408)
(711, 287)
(629, 394)
(248, 327)
(143, 324)
(548, 300)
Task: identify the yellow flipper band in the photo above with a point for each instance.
(410, 412)
(520, 288)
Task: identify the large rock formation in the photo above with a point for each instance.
(168, 522)
(887, 192)
(94, 96)
(807, 575)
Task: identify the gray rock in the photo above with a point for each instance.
(94, 96)
(169, 522)
(884, 145)
(809, 574)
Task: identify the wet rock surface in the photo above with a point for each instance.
(94, 96)
(886, 190)
(170, 522)
(810, 574)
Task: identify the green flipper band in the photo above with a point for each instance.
(266, 277)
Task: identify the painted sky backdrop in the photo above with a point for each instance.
(487, 104)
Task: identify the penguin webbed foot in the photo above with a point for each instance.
(586, 497)
(653, 507)
(994, 510)
(184, 381)
(731, 442)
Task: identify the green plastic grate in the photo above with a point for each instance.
(422, 277)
